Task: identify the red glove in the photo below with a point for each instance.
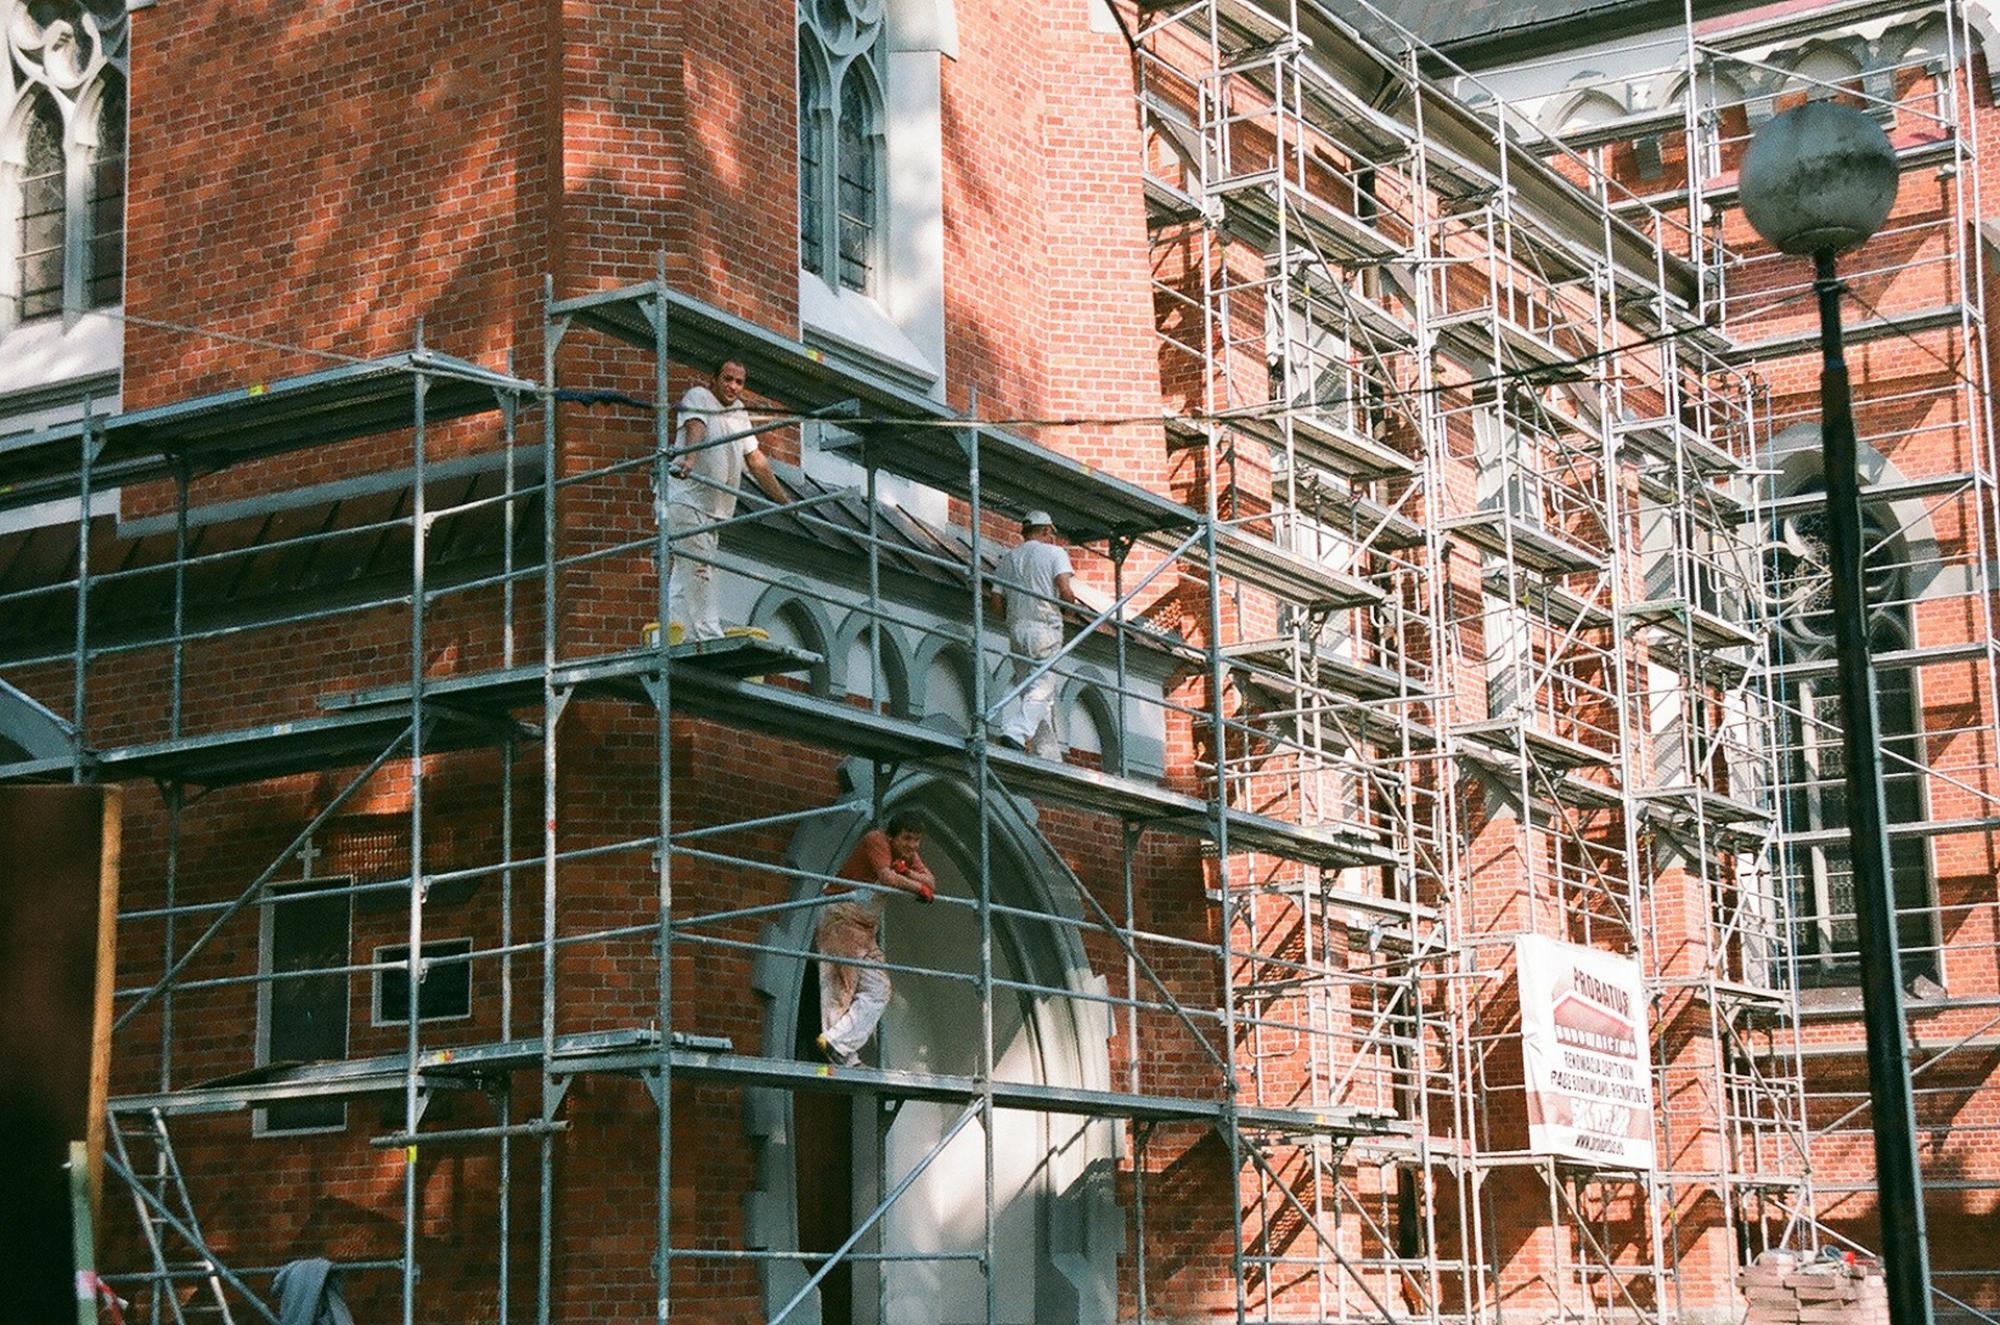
(926, 893)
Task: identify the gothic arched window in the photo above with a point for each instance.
(1813, 799)
(105, 161)
(39, 210)
(62, 158)
(813, 156)
(841, 171)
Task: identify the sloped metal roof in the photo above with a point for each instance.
(1471, 30)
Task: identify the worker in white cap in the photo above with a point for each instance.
(1033, 579)
(714, 449)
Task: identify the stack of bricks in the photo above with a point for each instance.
(1781, 1289)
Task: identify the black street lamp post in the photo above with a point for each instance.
(1819, 180)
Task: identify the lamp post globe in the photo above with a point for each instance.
(1819, 178)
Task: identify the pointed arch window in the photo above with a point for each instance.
(62, 158)
(841, 168)
(1813, 801)
(105, 157)
(813, 157)
(40, 191)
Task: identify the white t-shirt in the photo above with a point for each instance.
(717, 465)
(1028, 570)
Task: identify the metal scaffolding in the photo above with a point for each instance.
(1479, 602)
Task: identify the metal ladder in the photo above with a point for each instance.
(160, 1196)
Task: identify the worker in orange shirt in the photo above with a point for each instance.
(853, 998)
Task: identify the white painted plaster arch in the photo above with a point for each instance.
(1066, 1270)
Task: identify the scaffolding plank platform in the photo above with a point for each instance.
(1806, 341)
(1361, 680)
(1476, 333)
(223, 428)
(1926, 828)
(1534, 547)
(621, 675)
(1678, 617)
(723, 694)
(1161, 807)
(1256, 205)
(1260, 564)
(1326, 445)
(1546, 746)
(1671, 441)
(719, 692)
(1333, 446)
(1921, 485)
(282, 749)
(1015, 473)
(1924, 655)
(637, 1052)
(1560, 605)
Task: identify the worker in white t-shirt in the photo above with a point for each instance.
(1032, 577)
(701, 490)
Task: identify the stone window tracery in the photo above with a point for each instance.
(1813, 802)
(38, 210)
(840, 141)
(62, 157)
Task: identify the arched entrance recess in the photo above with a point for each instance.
(824, 1159)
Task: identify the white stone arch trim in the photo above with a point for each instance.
(1985, 28)
(1719, 88)
(1091, 692)
(1086, 1233)
(931, 651)
(790, 601)
(1844, 56)
(1795, 456)
(895, 658)
(1558, 113)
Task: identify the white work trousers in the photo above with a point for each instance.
(851, 998)
(1030, 717)
(691, 572)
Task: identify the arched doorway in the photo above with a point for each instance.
(825, 1159)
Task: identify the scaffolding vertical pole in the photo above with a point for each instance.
(551, 720)
(419, 533)
(509, 424)
(510, 408)
(1120, 548)
(663, 730)
(1232, 1134)
(1128, 842)
(1142, 1147)
(982, 774)
(171, 792)
(877, 691)
(82, 669)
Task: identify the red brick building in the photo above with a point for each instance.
(1435, 449)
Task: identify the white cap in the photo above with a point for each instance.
(1035, 519)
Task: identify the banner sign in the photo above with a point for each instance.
(1583, 1045)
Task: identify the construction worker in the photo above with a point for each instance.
(853, 998)
(701, 492)
(1032, 578)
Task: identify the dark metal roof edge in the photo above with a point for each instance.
(1473, 52)
(528, 462)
